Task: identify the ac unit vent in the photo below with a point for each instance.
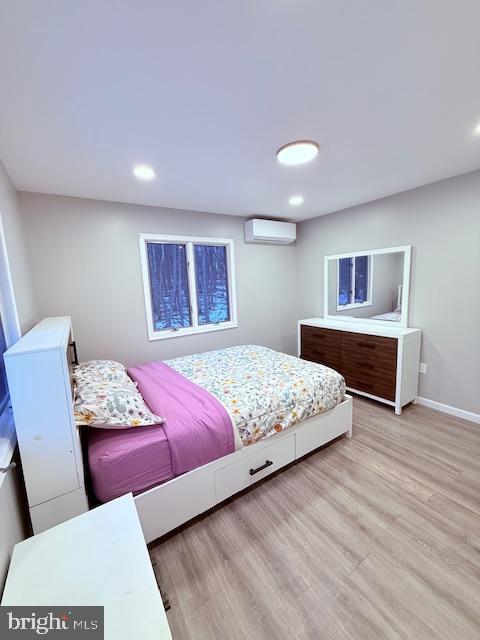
(270, 231)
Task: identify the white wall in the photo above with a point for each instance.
(442, 223)
(85, 262)
(12, 508)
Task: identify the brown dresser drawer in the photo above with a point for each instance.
(321, 345)
(369, 384)
(368, 345)
(381, 368)
(369, 364)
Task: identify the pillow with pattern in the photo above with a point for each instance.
(101, 371)
(108, 405)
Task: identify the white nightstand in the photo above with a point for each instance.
(97, 558)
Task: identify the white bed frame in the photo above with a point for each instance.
(38, 370)
(173, 503)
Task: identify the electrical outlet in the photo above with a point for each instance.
(423, 367)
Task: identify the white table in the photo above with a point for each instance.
(97, 558)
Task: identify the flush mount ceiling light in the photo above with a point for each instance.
(143, 172)
(297, 152)
(295, 201)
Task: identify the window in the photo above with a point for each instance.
(7, 430)
(354, 282)
(3, 376)
(188, 284)
(9, 334)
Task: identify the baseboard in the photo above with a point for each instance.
(453, 411)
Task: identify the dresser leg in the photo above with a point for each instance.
(398, 410)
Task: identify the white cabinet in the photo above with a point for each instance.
(38, 370)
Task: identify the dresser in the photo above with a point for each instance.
(379, 362)
(99, 559)
(38, 370)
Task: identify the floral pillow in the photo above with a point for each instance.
(108, 405)
(101, 371)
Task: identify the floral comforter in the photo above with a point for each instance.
(264, 391)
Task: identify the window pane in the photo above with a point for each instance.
(344, 281)
(167, 264)
(3, 376)
(361, 279)
(212, 284)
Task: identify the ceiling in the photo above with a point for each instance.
(205, 92)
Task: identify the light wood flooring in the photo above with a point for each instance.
(377, 537)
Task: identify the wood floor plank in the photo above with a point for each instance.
(377, 538)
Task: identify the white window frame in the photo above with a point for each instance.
(11, 328)
(189, 241)
(355, 305)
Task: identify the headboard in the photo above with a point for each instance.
(39, 372)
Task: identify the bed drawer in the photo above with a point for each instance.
(245, 472)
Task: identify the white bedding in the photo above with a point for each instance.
(263, 390)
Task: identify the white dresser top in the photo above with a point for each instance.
(98, 558)
(360, 327)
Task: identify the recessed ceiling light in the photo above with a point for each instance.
(143, 172)
(477, 129)
(295, 200)
(297, 152)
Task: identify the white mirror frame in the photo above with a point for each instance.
(407, 251)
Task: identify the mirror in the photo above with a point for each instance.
(368, 286)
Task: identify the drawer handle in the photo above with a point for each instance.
(365, 365)
(367, 385)
(268, 463)
(369, 345)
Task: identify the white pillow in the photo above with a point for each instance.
(101, 371)
(111, 405)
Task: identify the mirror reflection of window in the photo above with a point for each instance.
(353, 282)
(368, 285)
(344, 281)
(361, 279)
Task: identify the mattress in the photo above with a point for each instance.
(127, 460)
(262, 391)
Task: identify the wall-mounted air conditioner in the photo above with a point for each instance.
(270, 231)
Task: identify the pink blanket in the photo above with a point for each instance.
(197, 425)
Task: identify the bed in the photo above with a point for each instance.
(391, 316)
(56, 401)
(216, 404)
